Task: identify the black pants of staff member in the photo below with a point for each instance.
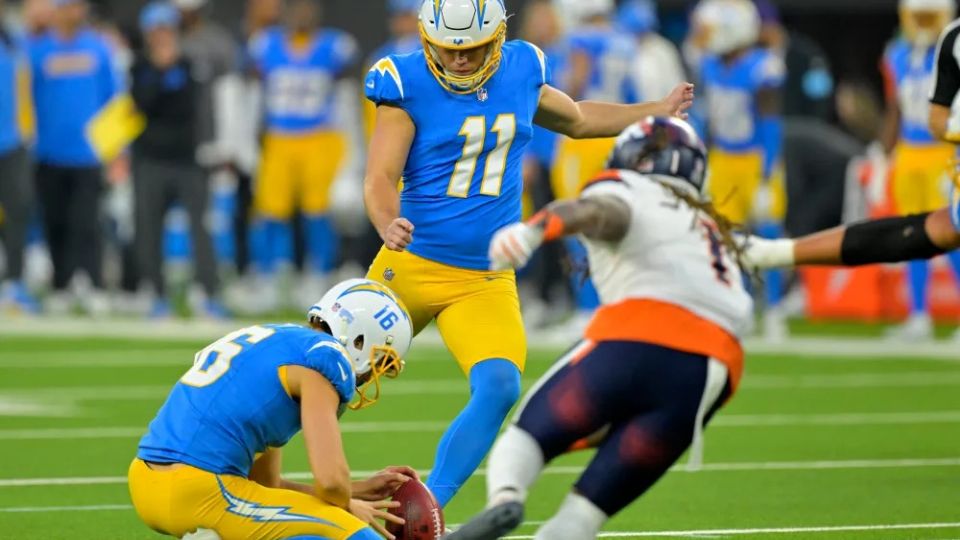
(70, 202)
(156, 185)
(16, 203)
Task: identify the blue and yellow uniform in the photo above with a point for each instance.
(920, 181)
(611, 54)
(232, 405)
(398, 46)
(745, 145)
(461, 183)
(543, 146)
(302, 150)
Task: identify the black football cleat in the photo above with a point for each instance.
(491, 524)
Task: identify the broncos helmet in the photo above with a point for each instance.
(665, 146)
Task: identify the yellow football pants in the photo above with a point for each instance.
(181, 500)
(577, 162)
(477, 312)
(733, 183)
(920, 177)
(298, 168)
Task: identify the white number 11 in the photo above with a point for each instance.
(474, 130)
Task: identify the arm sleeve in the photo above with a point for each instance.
(330, 360)
(108, 75)
(544, 74)
(384, 84)
(946, 82)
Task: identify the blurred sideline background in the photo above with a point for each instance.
(836, 164)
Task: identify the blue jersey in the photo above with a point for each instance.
(72, 81)
(543, 147)
(909, 75)
(612, 54)
(462, 180)
(232, 405)
(731, 92)
(299, 85)
(13, 68)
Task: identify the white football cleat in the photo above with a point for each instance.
(202, 534)
(919, 327)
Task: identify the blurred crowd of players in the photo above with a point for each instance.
(242, 192)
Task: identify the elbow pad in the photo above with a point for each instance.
(888, 240)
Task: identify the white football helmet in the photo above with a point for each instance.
(723, 26)
(371, 322)
(923, 20)
(577, 12)
(463, 24)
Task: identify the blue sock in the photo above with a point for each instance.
(272, 242)
(584, 292)
(494, 388)
(919, 274)
(954, 258)
(322, 243)
(773, 280)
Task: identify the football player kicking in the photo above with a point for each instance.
(211, 458)
(661, 355)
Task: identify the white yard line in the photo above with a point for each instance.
(854, 464)
(193, 331)
(455, 387)
(722, 421)
(770, 530)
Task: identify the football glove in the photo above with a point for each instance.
(513, 245)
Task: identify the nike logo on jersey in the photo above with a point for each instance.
(260, 513)
(343, 373)
(371, 85)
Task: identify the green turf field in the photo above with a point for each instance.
(812, 447)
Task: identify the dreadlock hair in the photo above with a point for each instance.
(729, 231)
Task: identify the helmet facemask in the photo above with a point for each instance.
(384, 362)
(464, 84)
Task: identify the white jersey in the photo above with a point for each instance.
(671, 254)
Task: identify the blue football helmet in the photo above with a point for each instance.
(664, 146)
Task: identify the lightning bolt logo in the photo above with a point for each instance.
(386, 67)
(260, 513)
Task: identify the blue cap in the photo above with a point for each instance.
(159, 14)
(638, 16)
(396, 7)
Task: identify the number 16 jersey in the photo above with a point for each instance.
(233, 403)
(462, 180)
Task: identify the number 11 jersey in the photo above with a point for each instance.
(462, 180)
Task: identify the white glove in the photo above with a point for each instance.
(760, 253)
(513, 245)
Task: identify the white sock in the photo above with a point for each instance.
(515, 463)
(577, 519)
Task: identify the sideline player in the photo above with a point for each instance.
(454, 121)
(742, 82)
(303, 149)
(659, 358)
(920, 161)
(211, 458)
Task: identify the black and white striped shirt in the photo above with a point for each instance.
(946, 82)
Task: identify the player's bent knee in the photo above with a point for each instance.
(497, 382)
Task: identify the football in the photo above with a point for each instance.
(420, 509)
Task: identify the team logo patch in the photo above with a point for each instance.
(389, 274)
(482, 95)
